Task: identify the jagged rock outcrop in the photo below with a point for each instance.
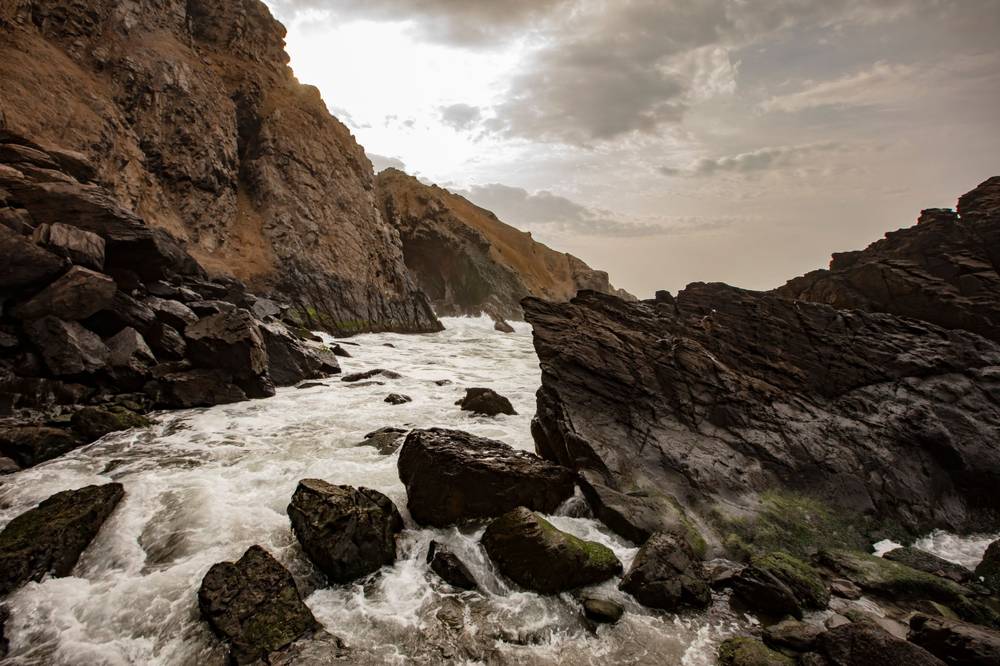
(722, 394)
(945, 270)
(188, 112)
(469, 262)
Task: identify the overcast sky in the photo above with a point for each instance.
(670, 141)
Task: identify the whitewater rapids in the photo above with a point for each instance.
(204, 485)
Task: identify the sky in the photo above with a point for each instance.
(671, 141)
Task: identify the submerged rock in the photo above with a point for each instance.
(864, 643)
(368, 374)
(254, 605)
(385, 440)
(666, 575)
(452, 476)
(50, 538)
(486, 402)
(743, 651)
(956, 643)
(921, 560)
(346, 532)
(449, 567)
(530, 551)
(398, 399)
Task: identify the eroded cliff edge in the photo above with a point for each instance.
(194, 120)
(468, 261)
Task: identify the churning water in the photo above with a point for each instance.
(204, 485)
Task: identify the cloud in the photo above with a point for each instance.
(761, 159)
(875, 86)
(381, 162)
(460, 116)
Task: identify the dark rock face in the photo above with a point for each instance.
(222, 147)
(232, 341)
(989, 568)
(723, 394)
(254, 605)
(452, 476)
(864, 643)
(76, 295)
(921, 560)
(24, 262)
(804, 581)
(634, 516)
(67, 347)
(943, 270)
(31, 445)
(449, 567)
(956, 643)
(194, 388)
(763, 592)
(666, 575)
(50, 538)
(290, 360)
(528, 550)
(486, 402)
(92, 423)
(80, 247)
(347, 532)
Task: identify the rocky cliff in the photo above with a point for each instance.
(699, 408)
(944, 270)
(194, 121)
(468, 261)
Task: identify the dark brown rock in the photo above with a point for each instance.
(129, 354)
(452, 476)
(194, 388)
(31, 445)
(666, 575)
(123, 312)
(989, 568)
(530, 551)
(78, 246)
(385, 440)
(170, 312)
(368, 374)
(449, 567)
(725, 393)
(864, 643)
(67, 347)
(76, 295)
(290, 360)
(503, 327)
(486, 402)
(398, 399)
(24, 262)
(232, 341)
(346, 532)
(253, 605)
(166, 342)
(792, 635)
(956, 643)
(763, 592)
(634, 516)
(92, 423)
(50, 538)
(602, 611)
(929, 563)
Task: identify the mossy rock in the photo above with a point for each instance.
(743, 651)
(92, 423)
(803, 580)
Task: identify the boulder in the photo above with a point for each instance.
(76, 295)
(67, 347)
(802, 579)
(166, 342)
(338, 350)
(123, 312)
(763, 592)
(864, 643)
(634, 516)
(792, 635)
(50, 538)
(290, 361)
(204, 308)
(666, 575)
(398, 399)
(602, 611)
(170, 312)
(449, 567)
(74, 163)
(194, 388)
(78, 246)
(17, 220)
(253, 605)
(532, 553)
(31, 445)
(232, 341)
(502, 326)
(845, 589)
(24, 262)
(346, 532)
(956, 643)
(989, 569)
(486, 402)
(921, 560)
(130, 356)
(385, 440)
(8, 466)
(92, 423)
(368, 374)
(452, 476)
(743, 651)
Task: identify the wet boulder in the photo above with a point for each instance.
(531, 552)
(92, 423)
(8, 466)
(204, 308)
(31, 445)
(368, 374)
(253, 605)
(956, 643)
(449, 567)
(67, 347)
(502, 326)
(78, 246)
(452, 476)
(744, 651)
(802, 579)
(76, 295)
(666, 575)
(602, 611)
(385, 440)
(398, 399)
(921, 560)
(763, 592)
(347, 532)
(24, 262)
(290, 360)
(166, 342)
(123, 312)
(130, 357)
(50, 538)
(792, 635)
(635, 516)
(989, 568)
(232, 341)
(200, 387)
(485, 402)
(171, 312)
(864, 643)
